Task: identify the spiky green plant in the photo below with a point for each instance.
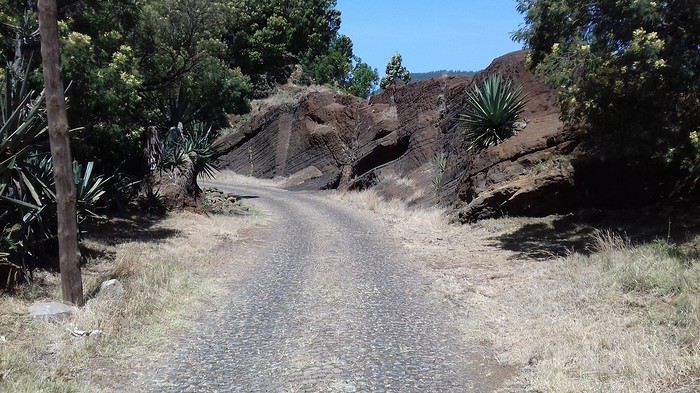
(198, 147)
(493, 108)
(439, 168)
(27, 198)
(202, 142)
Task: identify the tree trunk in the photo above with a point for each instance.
(60, 154)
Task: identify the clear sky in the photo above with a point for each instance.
(431, 34)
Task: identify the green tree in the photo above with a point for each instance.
(395, 71)
(630, 69)
(182, 54)
(333, 67)
(362, 80)
(266, 37)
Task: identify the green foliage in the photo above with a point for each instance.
(630, 69)
(395, 71)
(439, 168)
(493, 107)
(27, 198)
(335, 68)
(332, 67)
(101, 62)
(197, 146)
(23, 121)
(362, 80)
(264, 36)
(186, 75)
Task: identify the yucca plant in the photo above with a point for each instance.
(202, 142)
(493, 108)
(198, 147)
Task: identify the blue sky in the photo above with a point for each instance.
(430, 34)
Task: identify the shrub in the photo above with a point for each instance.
(628, 69)
(27, 197)
(493, 108)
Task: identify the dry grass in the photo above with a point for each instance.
(623, 319)
(233, 178)
(167, 276)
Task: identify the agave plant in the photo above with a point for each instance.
(493, 108)
(197, 147)
(27, 198)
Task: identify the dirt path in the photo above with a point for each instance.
(333, 304)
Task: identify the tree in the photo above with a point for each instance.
(395, 71)
(362, 80)
(629, 69)
(186, 77)
(265, 37)
(60, 154)
(333, 67)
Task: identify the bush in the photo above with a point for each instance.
(629, 69)
(395, 71)
(198, 147)
(494, 106)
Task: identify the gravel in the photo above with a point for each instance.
(332, 306)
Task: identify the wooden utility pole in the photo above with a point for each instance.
(60, 154)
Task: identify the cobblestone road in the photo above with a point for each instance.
(331, 306)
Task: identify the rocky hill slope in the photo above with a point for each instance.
(408, 143)
(326, 139)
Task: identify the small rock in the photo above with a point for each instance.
(52, 311)
(96, 334)
(78, 333)
(3, 340)
(520, 125)
(112, 288)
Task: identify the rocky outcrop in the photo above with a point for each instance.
(407, 142)
(333, 140)
(531, 173)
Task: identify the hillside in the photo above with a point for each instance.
(422, 76)
(325, 139)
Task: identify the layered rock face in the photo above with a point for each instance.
(528, 174)
(325, 139)
(407, 142)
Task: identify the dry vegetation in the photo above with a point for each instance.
(168, 270)
(230, 177)
(613, 317)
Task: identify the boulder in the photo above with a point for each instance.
(51, 311)
(112, 288)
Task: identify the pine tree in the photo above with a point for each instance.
(395, 71)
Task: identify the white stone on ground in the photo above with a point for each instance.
(52, 311)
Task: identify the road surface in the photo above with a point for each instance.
(333, 304)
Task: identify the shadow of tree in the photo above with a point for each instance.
(561, 235)
(121, 230)
(544, 240)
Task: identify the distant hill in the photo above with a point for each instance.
(421, 76)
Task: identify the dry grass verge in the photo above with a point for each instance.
(231, 177)
(619, 318)
(168, 271)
